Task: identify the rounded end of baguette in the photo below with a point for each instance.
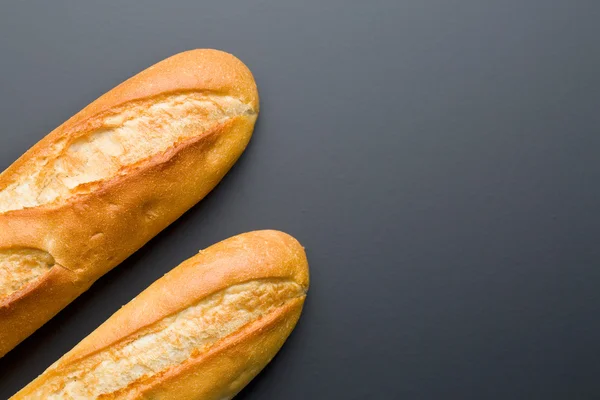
(199, 70)
(225, 72)
(296, 262)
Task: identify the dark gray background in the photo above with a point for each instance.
(439, 159)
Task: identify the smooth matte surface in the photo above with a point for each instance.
(439, 160)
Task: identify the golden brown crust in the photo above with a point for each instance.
(228, 366)
(90, 234)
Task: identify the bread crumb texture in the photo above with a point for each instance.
(125, 137)
(168, 343)
(18, 267)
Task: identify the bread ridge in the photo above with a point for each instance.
(90, 234)
(251, 256)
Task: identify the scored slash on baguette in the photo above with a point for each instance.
(105, 182)
(202, 331)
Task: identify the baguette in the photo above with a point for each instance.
(105, 182)
(202, 331)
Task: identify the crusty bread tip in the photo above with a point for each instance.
(202, 331)
(105, 182)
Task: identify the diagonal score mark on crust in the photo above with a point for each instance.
(18, 267)
(169, 342)
(127, 136)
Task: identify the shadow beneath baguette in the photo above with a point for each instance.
(179, 241)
